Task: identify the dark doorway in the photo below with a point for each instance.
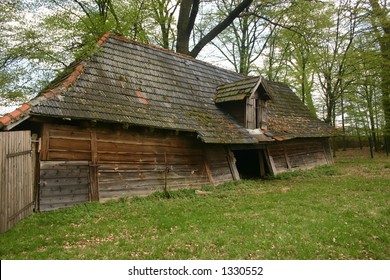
(251, 164)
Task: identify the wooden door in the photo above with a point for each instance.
(16, 178)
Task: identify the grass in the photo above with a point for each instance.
(332, 212)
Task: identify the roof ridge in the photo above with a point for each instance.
(123, 39)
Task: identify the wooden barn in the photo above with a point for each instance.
(133, 119)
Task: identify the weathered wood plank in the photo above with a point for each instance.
(16, 185)
(218, 162)
(53, 174)
(299, 154)
(250, 113)
(73, 145)
(64, 190)
(54, 204)
(64, 181)
(148, 157)
(74, 155)
(70, 186)
(68, 165)
(135, 157)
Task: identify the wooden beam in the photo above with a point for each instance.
(286, 157)
(93, 170)
(261, 163)
(232, 164)
(250, 113)
(45, 143)
(208, 172)
(271, 162)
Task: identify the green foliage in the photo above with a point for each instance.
(333, 212)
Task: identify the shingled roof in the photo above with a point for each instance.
(237, 90)
(288, 116)
(131, 83)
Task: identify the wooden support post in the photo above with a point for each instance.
(261, 163)
(271, 162)
(166, 171)
(208, 172)
(207, 167)
(232, 164)
(35, 146)
(286, 157)
(93, 170)
(250, 113)
(45, 143)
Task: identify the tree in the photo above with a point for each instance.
(293, 48)
(187, 15)
(311, 19)
(380, 22)
(21, 54)
(164, 11)
(242, 42)
(333, 53)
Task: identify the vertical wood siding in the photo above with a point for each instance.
(217, 158)
(299, 154)
(16, 178)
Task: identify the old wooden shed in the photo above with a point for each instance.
(133, 119)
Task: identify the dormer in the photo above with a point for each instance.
(246, 100)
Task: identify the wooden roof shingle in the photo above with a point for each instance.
(131, 83)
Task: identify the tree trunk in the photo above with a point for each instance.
(185, 25)
(381, 20)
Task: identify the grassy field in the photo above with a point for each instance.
(332, 212)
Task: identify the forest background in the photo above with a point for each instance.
(334, 54)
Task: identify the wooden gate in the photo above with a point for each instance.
(16, 178)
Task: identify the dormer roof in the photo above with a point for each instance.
(252, 87)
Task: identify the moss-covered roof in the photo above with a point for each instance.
(237, 90)
(131, 83)
(289, 117)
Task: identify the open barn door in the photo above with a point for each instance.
(252, 163)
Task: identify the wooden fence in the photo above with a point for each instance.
(16, 178)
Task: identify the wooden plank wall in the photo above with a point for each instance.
(139, 163)
(16, 178)
(299, 154)
(217, 158)
(135, 161)
(63, 184)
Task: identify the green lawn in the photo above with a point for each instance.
(332, 212)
